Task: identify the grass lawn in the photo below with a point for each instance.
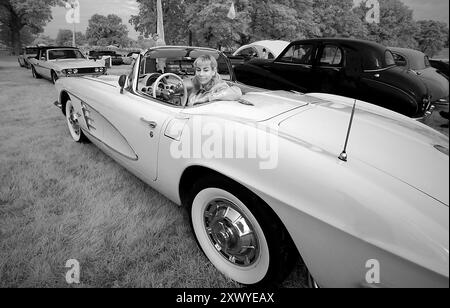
(60, 200)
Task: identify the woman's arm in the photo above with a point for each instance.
(226, 93)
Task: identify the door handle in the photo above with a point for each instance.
(377, 75)
(151, 124)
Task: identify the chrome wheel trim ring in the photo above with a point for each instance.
(72, 121)
(250, 274)
(231, 232)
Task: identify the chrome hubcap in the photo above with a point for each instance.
(231, 233)
(74, 121)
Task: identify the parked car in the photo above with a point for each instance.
(339, 212)
(128, 60)
(441, 65)
(56, 62)
(98, 54)
(256, 51)
(354, 68)
(27, 53)
(417, 63)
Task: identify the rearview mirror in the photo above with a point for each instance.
(122, 82)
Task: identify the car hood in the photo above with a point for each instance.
(396, 145)
(436, 83)
(77, 63)
(254, 106)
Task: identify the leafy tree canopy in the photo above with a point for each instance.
(107, 30)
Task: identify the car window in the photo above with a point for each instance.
(31, 51)
(427, 61)
(389, 58)
(399, 59)
(298, 54)
(247, 52)
(331, 56)
(270, 56)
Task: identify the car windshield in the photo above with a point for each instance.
(64, 54)
(180, 61)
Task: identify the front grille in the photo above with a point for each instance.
(86, 70)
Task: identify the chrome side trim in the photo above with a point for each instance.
(136, 158)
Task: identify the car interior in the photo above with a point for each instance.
(162, 75)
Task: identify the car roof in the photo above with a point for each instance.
(415, 58)
(347, 41)
(410, 53)
(274, 46)
(56, 47)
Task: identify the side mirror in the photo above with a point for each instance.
(122, 82)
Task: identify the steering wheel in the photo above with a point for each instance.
(161, 82)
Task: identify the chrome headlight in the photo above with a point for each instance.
(97, 69)
(74, 71)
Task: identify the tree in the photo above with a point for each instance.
(432, 36)
(44, 40)
(396, 28)
(335, 18)
(175, 21)
(205, 22)
(106, 30)
(65, 38)
(17, 14)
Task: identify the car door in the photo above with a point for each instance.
(328, 69)
(296, 65)
(43, 64)
(131, 126)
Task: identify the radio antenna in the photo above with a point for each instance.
(344, 156)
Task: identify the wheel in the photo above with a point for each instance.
(34, 73)
(239, 233)
(72, 122)
(54, 77)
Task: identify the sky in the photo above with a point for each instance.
(423, 9)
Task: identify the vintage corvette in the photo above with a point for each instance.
(373, 215)
(55, 62)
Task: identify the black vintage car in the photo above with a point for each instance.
(441, 65)
(98, 54)
(354, 68)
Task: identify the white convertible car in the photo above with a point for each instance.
(361, 193)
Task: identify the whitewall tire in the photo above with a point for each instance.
(239, 233)
(73, 124)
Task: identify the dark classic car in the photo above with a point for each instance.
(355, 68)
(441, 65)
(418, 63)
(27, 53)
(98, 54)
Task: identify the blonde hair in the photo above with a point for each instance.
(209, 60)
(206, 59)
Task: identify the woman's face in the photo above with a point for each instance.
(204, 73)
